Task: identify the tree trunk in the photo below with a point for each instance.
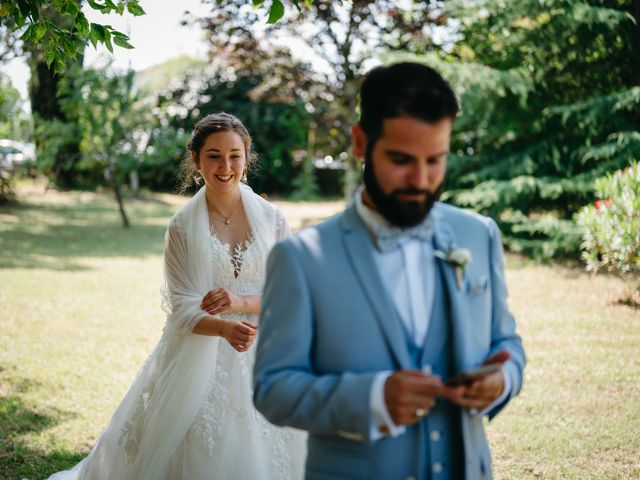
(46, 107)
(123, 214)
(134, 183)
(115, 185)
(635, 12)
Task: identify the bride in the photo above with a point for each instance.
(189, 413)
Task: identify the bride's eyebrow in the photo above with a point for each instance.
(397, 154)
(218, 150)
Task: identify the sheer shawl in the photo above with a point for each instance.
(162, 402)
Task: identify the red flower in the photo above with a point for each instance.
(608, 202)
(598, 204)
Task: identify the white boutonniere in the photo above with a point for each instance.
(458, 258)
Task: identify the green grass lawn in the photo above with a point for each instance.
(80, 311)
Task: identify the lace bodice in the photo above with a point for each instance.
(241, 272)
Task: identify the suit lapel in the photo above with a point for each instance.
(444, 240)
(359, 249)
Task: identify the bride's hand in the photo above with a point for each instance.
(221, 300)
(240, 335)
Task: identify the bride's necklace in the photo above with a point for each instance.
(227, 218)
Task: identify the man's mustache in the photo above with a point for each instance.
(409, 191)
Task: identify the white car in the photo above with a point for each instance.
(14, 154)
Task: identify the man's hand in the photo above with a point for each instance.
(410, 394)
(483, 392)
(221, 300)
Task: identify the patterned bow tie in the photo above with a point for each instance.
(389, 237)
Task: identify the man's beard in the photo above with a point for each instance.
(400, 213)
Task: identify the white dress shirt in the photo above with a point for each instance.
(411, 285)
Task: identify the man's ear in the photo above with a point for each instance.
(194, 157)
(358, 140)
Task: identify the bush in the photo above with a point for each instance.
(611, 226)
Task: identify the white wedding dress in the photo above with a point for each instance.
(189, 414)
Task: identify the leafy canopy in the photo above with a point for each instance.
(62, 28)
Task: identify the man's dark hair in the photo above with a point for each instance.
(404, 89)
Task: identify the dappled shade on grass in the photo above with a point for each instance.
(58, 236)
(73, 338)
(21, 421)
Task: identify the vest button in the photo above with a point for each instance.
(437, 467)
(435, 436)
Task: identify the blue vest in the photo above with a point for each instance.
(440, 431)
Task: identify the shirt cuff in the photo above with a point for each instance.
(381, 423)
(503, 396)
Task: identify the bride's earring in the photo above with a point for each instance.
(197, 174)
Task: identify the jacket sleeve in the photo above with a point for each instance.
(503, 325)
(288, 390)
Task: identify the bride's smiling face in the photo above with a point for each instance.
(221, 161)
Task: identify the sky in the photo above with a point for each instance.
(156, 36)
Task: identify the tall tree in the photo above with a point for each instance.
(551, 101)
(343, 36)
(57, 160)
(111, 122)
(53, 35)
(261, 82)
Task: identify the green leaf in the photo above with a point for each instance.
(38, 32)
(122, 42)
(25, 8)
(59, 67)
(28, 34)
(107, 43)
(257, 3)
(135, 9)
(82, 25)
(35, 11)
(276, 11)
(49, 54)
(99, 31)
(70, 8)
(93, 38)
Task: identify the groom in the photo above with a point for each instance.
(366, 316)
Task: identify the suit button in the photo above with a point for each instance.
(410, 478)
(434, 435)
(437, 467)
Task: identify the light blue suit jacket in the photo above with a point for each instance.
(328, 326)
